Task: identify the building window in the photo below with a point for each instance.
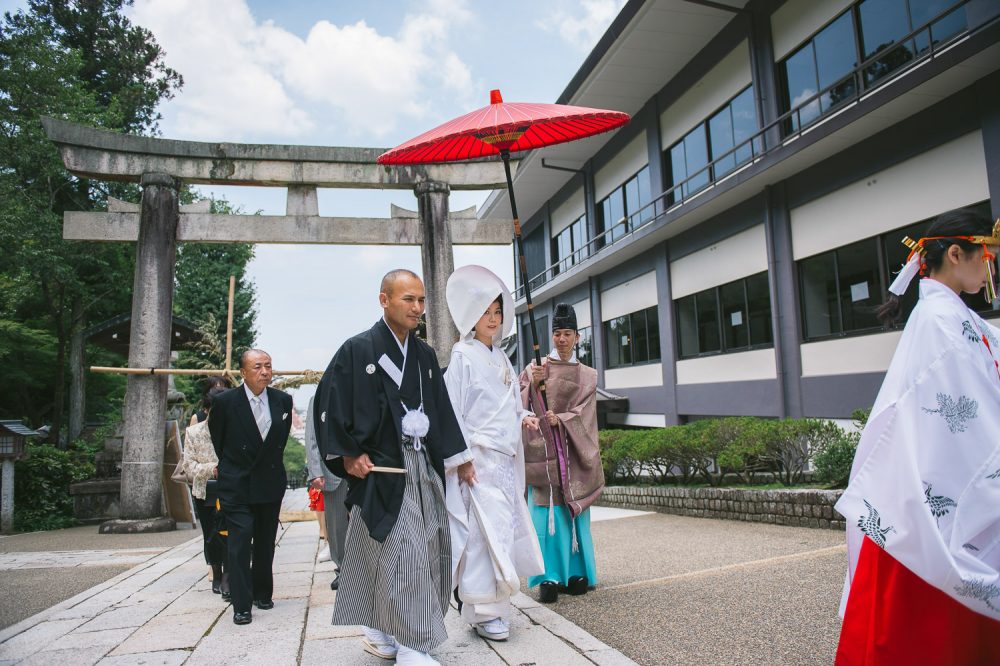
(584, 348)
(885, 24)
(842, 289)
(633, 339)
(732, 317)
(569, 247)
(722, 138)
(874, 31)
(623, 210)
(822, 62)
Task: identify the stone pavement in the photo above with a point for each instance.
(163, 612)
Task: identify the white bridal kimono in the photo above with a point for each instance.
(925, 485)
(493, 541)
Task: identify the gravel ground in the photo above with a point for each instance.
(679, 590)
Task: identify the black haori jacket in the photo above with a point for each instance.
(358, 409)
(251, 469)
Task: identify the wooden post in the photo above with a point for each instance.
(229, 325)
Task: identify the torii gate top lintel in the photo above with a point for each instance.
(104, 155)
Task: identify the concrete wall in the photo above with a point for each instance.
(568, 212)
(949, 176)
(625, 164)
(718, 86)
(738, 256)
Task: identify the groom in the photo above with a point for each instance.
(382, 402)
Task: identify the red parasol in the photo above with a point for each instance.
(500, 129)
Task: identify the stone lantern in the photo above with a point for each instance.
(13, 436)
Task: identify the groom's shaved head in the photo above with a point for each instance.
(389, 280)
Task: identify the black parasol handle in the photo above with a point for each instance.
(523, 266)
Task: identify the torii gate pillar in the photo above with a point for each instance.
(438, 262)
(146, 395)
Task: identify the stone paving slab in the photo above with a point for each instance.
(76, 558)
(163, 612)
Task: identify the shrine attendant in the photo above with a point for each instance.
(923, 503)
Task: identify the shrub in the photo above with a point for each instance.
(41, 485)
(833, 459)
(743, 447)
(698, 450)
(294, 459)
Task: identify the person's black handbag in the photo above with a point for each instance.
(221, 528)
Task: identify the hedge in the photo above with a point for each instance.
(714, 451)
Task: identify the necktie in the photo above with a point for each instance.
(263, 422)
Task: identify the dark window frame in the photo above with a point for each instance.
(719, 317)
(605, 238)
(860, 77)
(885, 275)
(576, 255)
(653, 311)
(711, 173)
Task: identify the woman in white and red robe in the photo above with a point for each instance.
(923, 503)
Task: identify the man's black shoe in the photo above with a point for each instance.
(577, 585)
(217, 586)
(226, 596)
(242, 618)
(335, 583)
(548, 592)
(264, 605)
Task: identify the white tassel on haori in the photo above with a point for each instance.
(576, 544)
(552, 514)
(906, 275)
(416, 424)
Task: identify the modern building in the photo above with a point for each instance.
(727, 249)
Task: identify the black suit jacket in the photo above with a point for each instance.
(251, 470)
(358, 409)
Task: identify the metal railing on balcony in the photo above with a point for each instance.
(783, 130)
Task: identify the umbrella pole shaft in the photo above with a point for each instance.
(523, 266)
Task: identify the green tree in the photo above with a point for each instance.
(201, 295)
(83, 62)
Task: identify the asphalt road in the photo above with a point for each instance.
(679, 590)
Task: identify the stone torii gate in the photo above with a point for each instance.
(161, 166)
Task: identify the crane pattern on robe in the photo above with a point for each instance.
(939, 504)
(956, 413)
(977, 588)
(872, 526)
(969, 331)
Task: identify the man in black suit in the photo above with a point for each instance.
(249, 426)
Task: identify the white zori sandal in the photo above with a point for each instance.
(379, 644)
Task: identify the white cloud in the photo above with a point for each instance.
(581, 24)
(244, 78)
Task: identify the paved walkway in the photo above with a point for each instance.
(163, 612)
(672, 590)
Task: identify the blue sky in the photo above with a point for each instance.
(352, 74)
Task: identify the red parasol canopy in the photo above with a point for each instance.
(503, 126)
(500, 129)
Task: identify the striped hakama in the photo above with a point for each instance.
(401, 587)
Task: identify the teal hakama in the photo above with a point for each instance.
(562, 561)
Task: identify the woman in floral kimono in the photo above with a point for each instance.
(201, 464)
(492, 538)
(923, 503)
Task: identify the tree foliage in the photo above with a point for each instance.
(85, 62)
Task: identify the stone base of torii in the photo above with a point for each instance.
(162, 166)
